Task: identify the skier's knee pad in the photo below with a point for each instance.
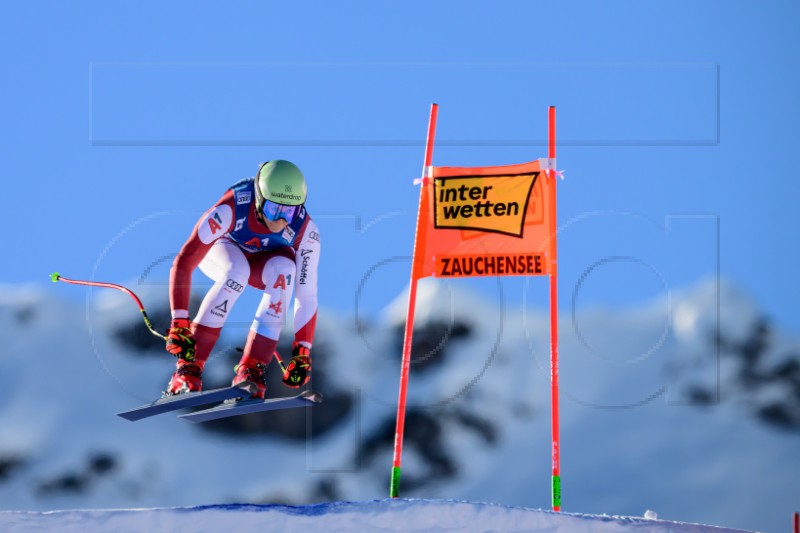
(278, 278)
(278, 274)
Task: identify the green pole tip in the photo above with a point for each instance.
(556, 492)
(54, 277)
(394, 487)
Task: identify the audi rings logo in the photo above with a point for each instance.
(234, 285)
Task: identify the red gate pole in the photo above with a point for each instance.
(553, 270)
(394, 489)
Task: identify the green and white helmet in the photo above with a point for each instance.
(280, 189)
(281, 182)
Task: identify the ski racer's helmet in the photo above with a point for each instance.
(280, 190)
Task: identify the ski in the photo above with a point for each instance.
(242, 407)
(188, 399)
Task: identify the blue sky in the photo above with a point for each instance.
(676, 120)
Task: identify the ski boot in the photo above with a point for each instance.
(251, 370)
(298, 371)
(188, 377)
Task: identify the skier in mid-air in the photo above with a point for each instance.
(259, 234)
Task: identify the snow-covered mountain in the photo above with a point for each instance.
(690, 408)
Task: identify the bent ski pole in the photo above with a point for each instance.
(55, 277)
(275, 355)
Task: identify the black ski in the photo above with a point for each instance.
(304, 399)
(188, 399)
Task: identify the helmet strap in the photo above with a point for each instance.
(259, 196)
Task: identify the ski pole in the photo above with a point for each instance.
(55, 277)
(278, 359)
(274, 354)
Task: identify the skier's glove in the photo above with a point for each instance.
(180, 341)
(298, 371)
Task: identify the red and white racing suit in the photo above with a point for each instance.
(235, 250)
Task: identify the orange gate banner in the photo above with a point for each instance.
(484, 221)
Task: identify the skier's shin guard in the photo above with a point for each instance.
(259, 347)
(205, 339)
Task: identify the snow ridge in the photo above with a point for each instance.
(399, 515)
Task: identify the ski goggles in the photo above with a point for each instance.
(274, 211)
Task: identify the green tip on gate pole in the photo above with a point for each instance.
(54, 277)
(557, 492)
(394, 490)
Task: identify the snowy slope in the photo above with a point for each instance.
(387, 515)
(658, 411)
